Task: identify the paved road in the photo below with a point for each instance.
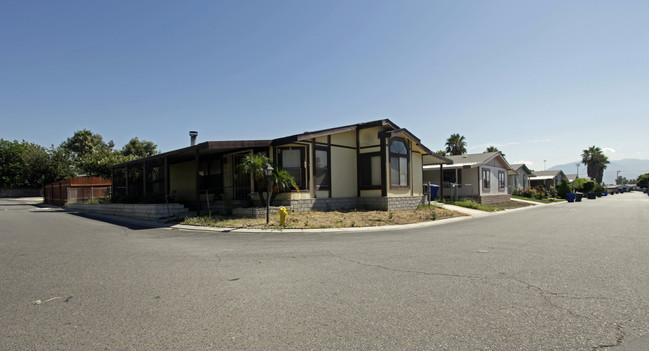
(559, 277)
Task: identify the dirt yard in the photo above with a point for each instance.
(331, 219)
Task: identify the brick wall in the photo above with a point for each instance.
(490, 199)
(150, 212)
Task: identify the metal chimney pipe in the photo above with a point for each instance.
(193, 134)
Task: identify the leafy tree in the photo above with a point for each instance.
(441, 152)
(643, 181)
(85, 142)
(494, 149)
(139, 148)
(98, 163)
(456, 144)
(595, 162)
(24, 165)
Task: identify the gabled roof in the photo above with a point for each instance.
(571, 177)
(519, 166)
(227, 146)
(474, 160)
(542, 175)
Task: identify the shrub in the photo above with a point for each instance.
(563, 189)
(583, 185)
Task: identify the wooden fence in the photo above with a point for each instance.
(77, 189)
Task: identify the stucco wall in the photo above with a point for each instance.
(417, 174)
(494, 189)
(182, 179)
(343, 172)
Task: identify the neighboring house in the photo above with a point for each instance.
(520, 177)
(483, 177)
(571, 177)
(548, 178)
(373, 165)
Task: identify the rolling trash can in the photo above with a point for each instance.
(431, 190)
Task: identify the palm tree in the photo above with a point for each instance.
(595, 162)
(494, 149)
(281, 179)
(254, 164)
(456, 145)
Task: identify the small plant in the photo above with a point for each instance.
(353, 224)
(306, 223)
(433, 215)
(390, 215)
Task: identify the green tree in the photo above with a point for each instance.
(85, 142)
(98, 163)
(456, 144)
(24, 165)
(643, 181)
(255, 164)
(139, 148)
(441, 152)
(281, 179)
(494, 149)
(595, 162)
(621, 180)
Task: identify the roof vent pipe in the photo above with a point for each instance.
(193, 134)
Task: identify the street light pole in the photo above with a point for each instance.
(269, 171)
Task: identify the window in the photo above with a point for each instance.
(501, 180)
(369, 167)
(292, 160)
(486, 178)
(449, 176)
(322, 168)
(399, 163)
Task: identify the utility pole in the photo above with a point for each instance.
(544, 168)
(577, 164)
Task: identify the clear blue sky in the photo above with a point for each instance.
(541, 80)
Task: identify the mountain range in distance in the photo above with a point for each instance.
(630, 168)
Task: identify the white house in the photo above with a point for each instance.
(520, 178)
(483, 177)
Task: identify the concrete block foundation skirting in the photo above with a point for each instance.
(149, 212)
(492, 199)
(363, 203)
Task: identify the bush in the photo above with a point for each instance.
(563, 189)
(583, 185)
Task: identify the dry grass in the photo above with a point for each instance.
(331, 219)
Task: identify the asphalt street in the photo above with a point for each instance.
(557, 277)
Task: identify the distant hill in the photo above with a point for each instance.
(630, 168)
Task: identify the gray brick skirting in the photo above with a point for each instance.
(150, 212)
(361, 203)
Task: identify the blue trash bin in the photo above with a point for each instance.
(432, 192)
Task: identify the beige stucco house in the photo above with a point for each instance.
(483, 177)
(374, 165)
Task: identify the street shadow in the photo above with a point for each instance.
(130, 223)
